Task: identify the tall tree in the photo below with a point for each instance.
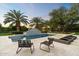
(58, 17)
(72, 16)
(63, 18)
(15, 17)
(0, 25)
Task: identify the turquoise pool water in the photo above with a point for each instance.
(29, 37)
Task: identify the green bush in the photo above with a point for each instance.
(15, 32)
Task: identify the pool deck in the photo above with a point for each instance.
(8, 48)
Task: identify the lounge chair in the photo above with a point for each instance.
(47, 43)
(66, 39)
(25, 44)
(30, 34)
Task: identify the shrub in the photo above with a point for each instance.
(15, 32)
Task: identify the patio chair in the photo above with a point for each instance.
(25, 44)
(48, 44)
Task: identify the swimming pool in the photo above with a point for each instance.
(36, 36)
(29, 37)
(30, 34)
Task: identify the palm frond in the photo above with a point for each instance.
(24, 21)
(12, 24)
(14, 15)
(8, 20)
(10, 14)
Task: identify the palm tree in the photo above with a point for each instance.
(37, 21)
(15, 17)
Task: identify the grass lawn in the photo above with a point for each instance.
(76, 33)
(5, 34)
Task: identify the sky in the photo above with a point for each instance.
(30, 9)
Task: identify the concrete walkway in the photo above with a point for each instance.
(8, 48)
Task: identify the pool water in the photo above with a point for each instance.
(36, 36)
(28, 37)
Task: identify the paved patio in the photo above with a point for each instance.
(8, 48)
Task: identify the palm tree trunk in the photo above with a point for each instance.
(18, 26)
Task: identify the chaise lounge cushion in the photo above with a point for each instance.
(66, 39)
